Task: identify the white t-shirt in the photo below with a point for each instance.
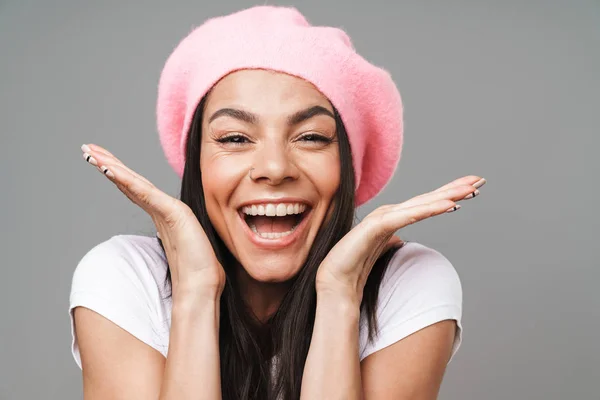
(123, 279)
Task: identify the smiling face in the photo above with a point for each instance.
(283, 129)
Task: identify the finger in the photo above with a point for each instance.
(99, 149)
(457, 193)
(96, 150)
(103, 157)
(141, 192)
(109, 171)
(401, 217)
(465, 180)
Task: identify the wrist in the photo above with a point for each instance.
(197, 288)
(193, 299)
(337, 303)
(337, 292)
(191, 315)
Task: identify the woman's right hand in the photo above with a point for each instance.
(192, 261)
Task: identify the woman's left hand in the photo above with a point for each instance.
(345, 269)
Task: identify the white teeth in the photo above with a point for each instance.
(273, 235)
(253, 227)
(281, 210)
(272, 209)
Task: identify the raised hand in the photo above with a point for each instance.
(347, 266)
(192, 261)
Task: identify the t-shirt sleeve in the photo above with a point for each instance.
(420, 287)
(112, 282)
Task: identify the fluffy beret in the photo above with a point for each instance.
(281, 39)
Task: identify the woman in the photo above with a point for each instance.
(257, 286)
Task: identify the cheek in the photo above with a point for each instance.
(220, 178)
(324, 173)
(221, 173)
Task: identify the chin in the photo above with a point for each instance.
(277, 270)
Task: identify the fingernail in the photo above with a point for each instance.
(479, 183)
(90, 159)
(456, 207)
(106, 171)
(85, 148)
(471, 195)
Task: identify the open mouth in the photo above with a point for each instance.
(270, 222)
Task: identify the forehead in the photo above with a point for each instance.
(263, 90)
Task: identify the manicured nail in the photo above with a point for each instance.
(85, 148)
(106, 171)
(471, 195)
(479, 183)
(90, 159)
(456, 207)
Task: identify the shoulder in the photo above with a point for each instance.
(128, 259)
(123, 279)
(417, 269)
(420, 287)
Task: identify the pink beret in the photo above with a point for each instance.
(281, 39)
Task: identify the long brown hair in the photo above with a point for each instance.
(246, 346)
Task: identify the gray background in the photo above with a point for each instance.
(507, 90)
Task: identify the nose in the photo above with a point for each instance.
(273, 164)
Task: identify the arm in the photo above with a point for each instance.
(410, 369)
(332, 369)
(192, 368)
(344, 271)
(116, 365)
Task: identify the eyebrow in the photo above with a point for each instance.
(294, 119)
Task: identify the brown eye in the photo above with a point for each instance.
(313, 137)
(233, 139)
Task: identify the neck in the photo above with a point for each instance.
(263, 298)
